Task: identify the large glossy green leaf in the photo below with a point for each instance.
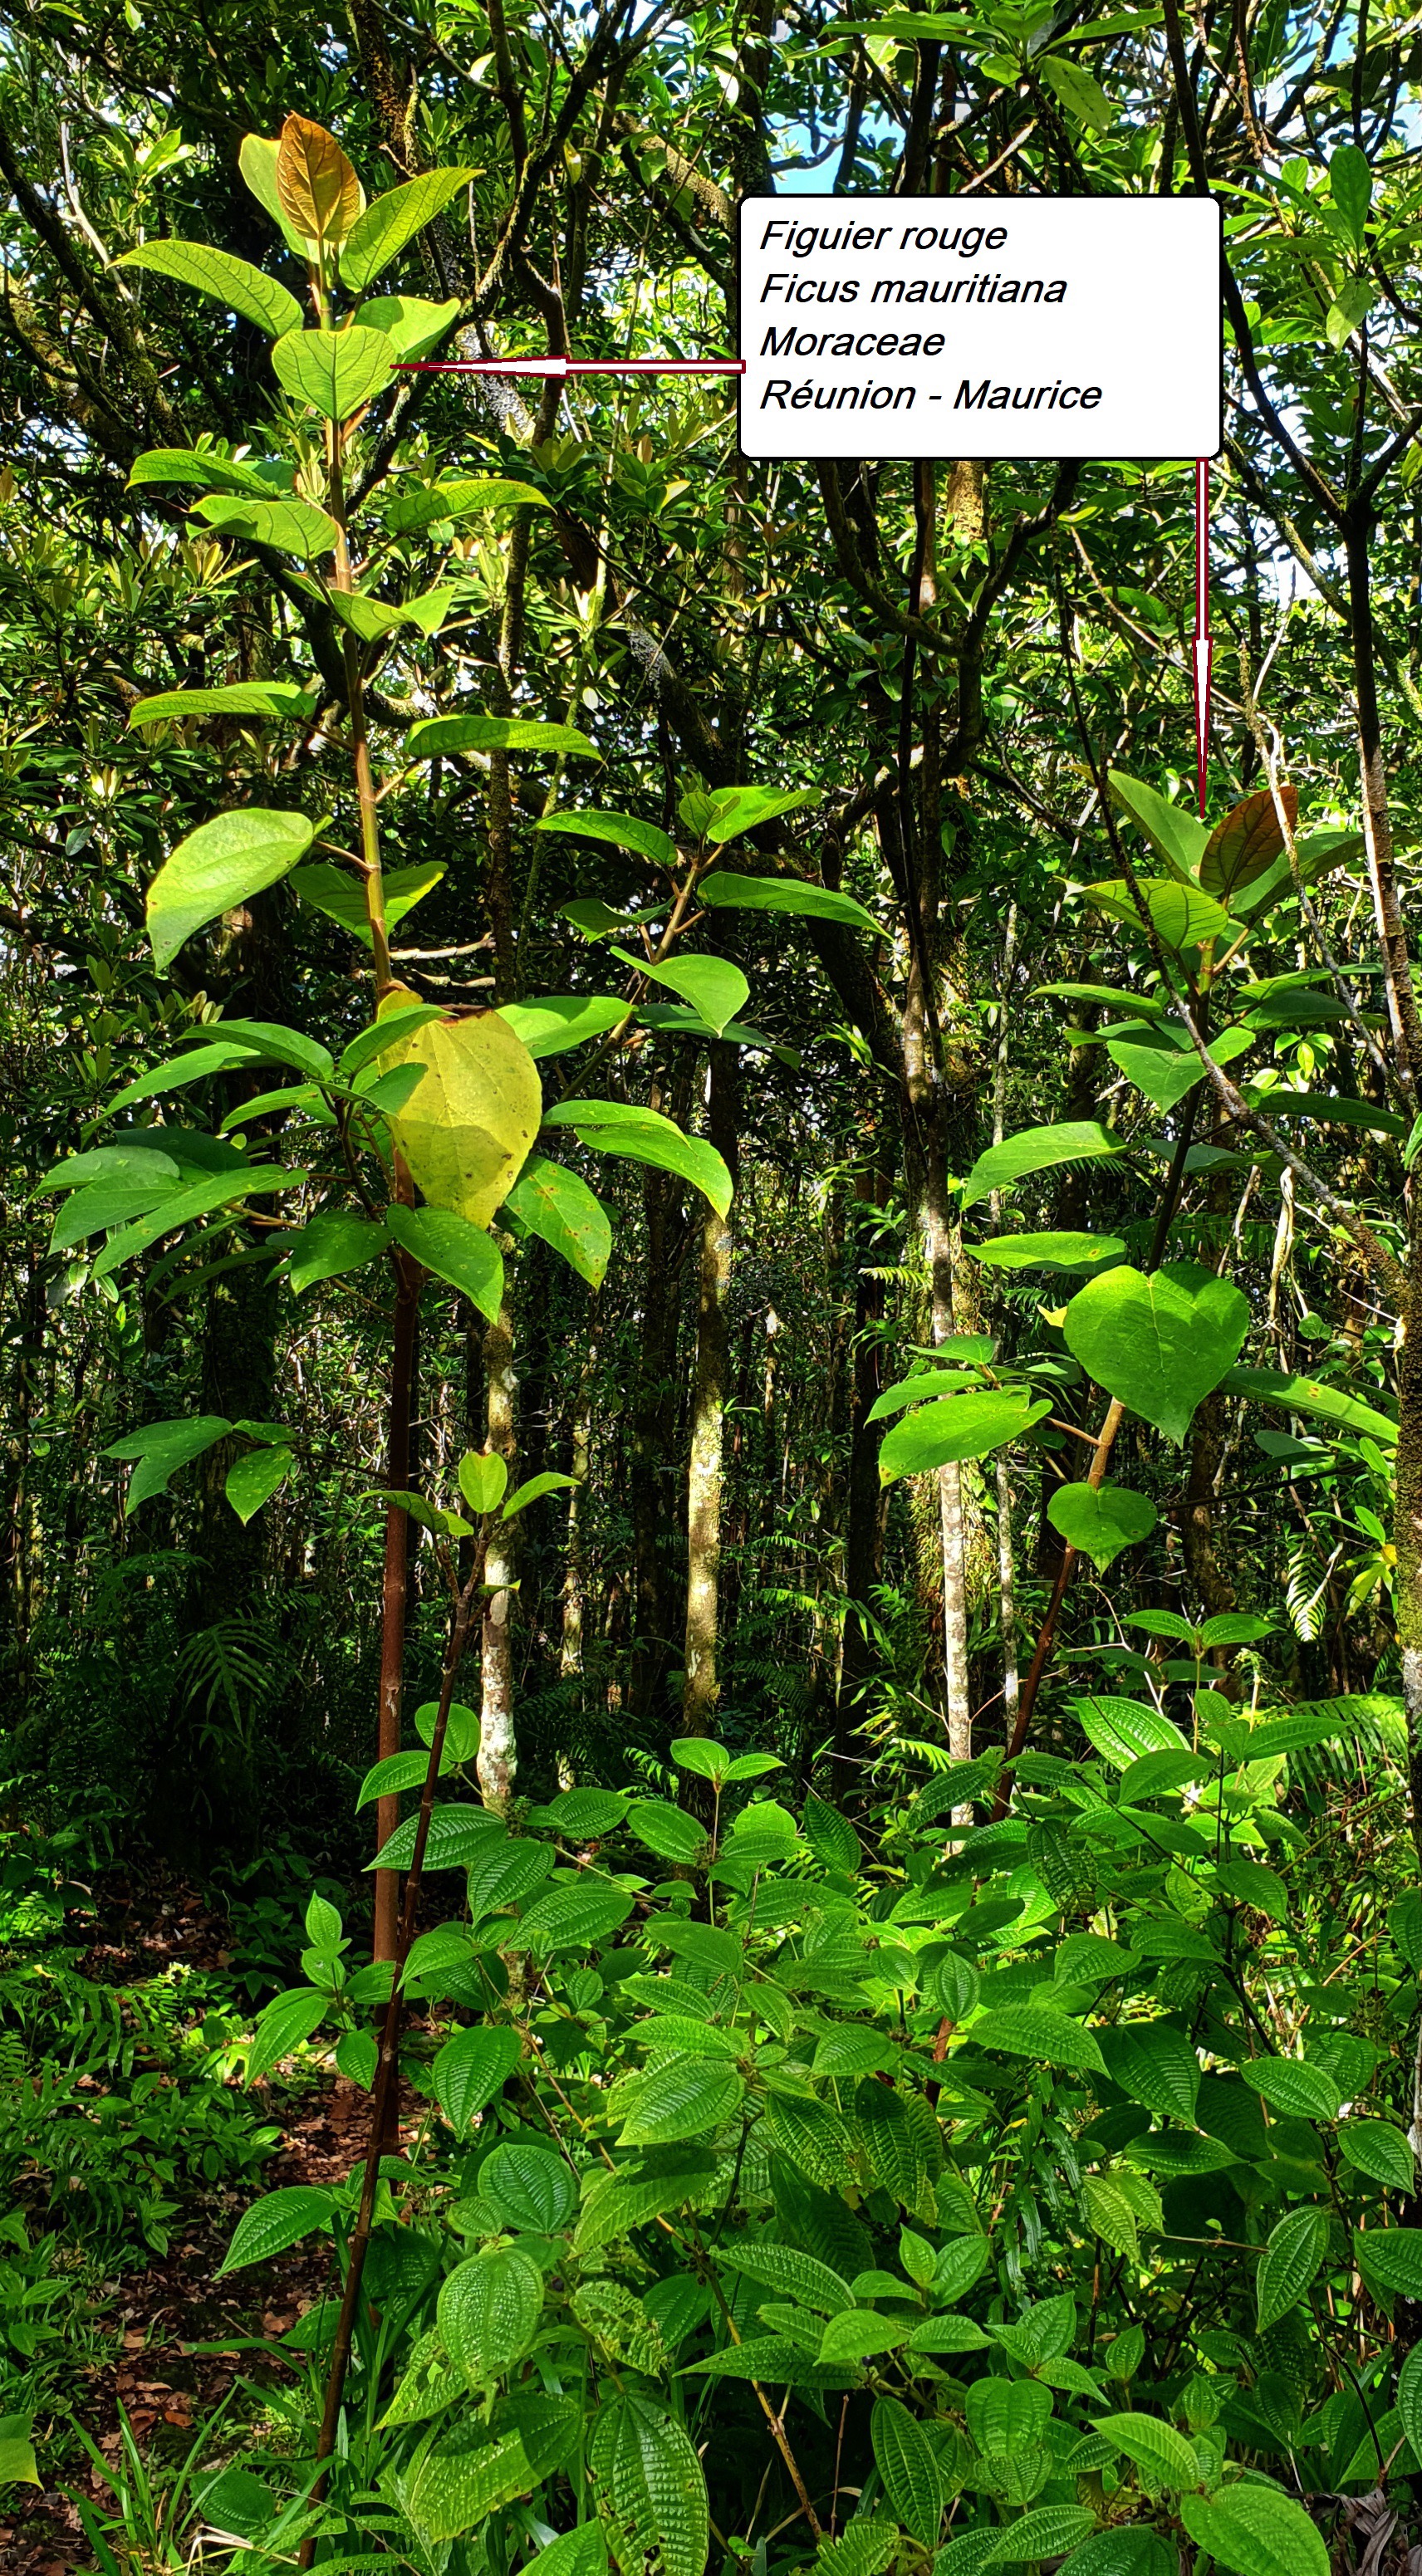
(115, 1199)
(1100, 1521)
(336, 372)
(1048, 1251)
(624, 832)
(237, 698)
(342, 897)
(712, 985)
(456, 1251)
(415, 506)
(645, 1136)
(233, 282)
(440, 734)
(530, 2186)
(786, 894)
(160, 1449)
(381, 233)
(292, 527)
(1255, 2531)
(651, 2490)
(734, 810)
(564, 1020)
(209, 473)
(1172, 831)
(1038, 1149)
(789, 2273)
(412, 325)
(1158, 1343)
(575, 1915)
(1375, 2148)
(1307, 1395)
(199, 1198)
(220, 865)
(253, 1479)
(958, 1427)
(1166, 1070)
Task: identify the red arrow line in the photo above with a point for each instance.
(1203, 648)
(560, 368)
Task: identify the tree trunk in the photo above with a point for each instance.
(700, 1687)
(652, 1435)
(498, 1747)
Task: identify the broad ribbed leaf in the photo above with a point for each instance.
(292, 527)
(470, 2069)
(1156, 2065)
(1305, 1395)
(793, 2275)
(529, 2186)
(233, 282)
(1289, 2261)
(1391, 2256)
(464, 2479)
(1296, 2090)
(1255, 2531)
(908, 2466)
(456, 1838)
(1047, 2532)
(286, 2022)
(275, 2223)
(488, 2310)
(684, 2098)
(1375, 2148)
(618, 2202)
(1162, 2455)
(505, 1870)
(1035, 2030)
(651, 2493)
(317, 188)
(574, 1915)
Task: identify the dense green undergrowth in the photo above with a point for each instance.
(1002, 2188)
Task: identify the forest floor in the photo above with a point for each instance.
(155, 2336)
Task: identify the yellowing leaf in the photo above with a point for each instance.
(468, 1128)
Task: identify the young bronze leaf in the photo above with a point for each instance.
(318, 190)
(1246, 843)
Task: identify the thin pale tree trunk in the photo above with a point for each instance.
(701, 1685)
(498, 1749)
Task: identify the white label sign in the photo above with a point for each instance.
(980, 326)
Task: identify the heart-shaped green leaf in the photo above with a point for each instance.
(1158, 1344)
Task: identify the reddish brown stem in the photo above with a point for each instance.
(388, 2062)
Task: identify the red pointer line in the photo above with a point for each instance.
(1204, 648)
(560, 368)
